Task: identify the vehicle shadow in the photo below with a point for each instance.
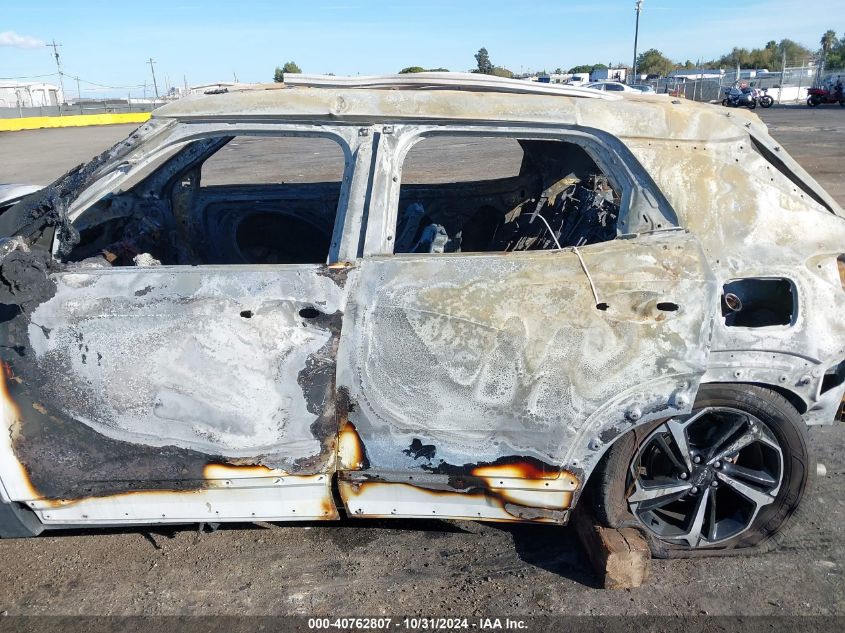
(155, 533)
(553, 548)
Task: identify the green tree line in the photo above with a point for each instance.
(770, 56)
(652, 61)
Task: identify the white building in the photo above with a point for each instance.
(15, 94)
(609, 74)
(575, 79)
(693, 74)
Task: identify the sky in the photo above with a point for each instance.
(109, 43)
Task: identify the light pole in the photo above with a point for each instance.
(638, 6)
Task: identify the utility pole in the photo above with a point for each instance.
(55, 48)
(638, 7)
(155, 85)
(78, 90)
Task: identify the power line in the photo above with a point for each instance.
(99, 85)
(30, 76)
(78, 79)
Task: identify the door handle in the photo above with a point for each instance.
(309, 312)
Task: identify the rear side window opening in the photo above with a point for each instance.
(503, 194)
(264, 199)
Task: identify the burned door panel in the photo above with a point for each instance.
(153, 379)
(479, 374)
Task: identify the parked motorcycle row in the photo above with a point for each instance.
(746, 98)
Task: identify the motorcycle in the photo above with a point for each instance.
(739, 98)
(763, 98)
(817, 96)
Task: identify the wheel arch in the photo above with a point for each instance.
(608, 490)
(790, 396)
(589, 475)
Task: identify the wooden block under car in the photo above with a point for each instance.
(620, 557)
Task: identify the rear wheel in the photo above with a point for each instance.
(766, 101)
(813, 101)
(725, 478)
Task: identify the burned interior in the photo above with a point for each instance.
(540, 194)
(205, 205)
(196, 209)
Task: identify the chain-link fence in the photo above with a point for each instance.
(786, 85)
(85, 107)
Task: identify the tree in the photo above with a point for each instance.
(836, 57)
(498, 71)
(420, 69)
(828, 41)
(654, 62)
(289, 67)
(738, 57)
(482, 58)
(793, 50)
(586, 68)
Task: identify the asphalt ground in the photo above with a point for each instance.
(431, 568)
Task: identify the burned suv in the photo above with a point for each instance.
(423, 296)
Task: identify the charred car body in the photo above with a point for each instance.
(650, 303)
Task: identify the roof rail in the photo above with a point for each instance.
(445, 81)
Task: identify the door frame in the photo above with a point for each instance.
(502, 492)
(233, 491)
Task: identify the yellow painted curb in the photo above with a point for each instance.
(73, 120)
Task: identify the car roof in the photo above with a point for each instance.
(460, 97)
(441, 80)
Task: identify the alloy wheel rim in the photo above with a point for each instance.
(701, 479)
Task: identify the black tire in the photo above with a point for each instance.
(813, 101)
(766, 101)
(752, 104)
(611, 482)
(725, 102)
